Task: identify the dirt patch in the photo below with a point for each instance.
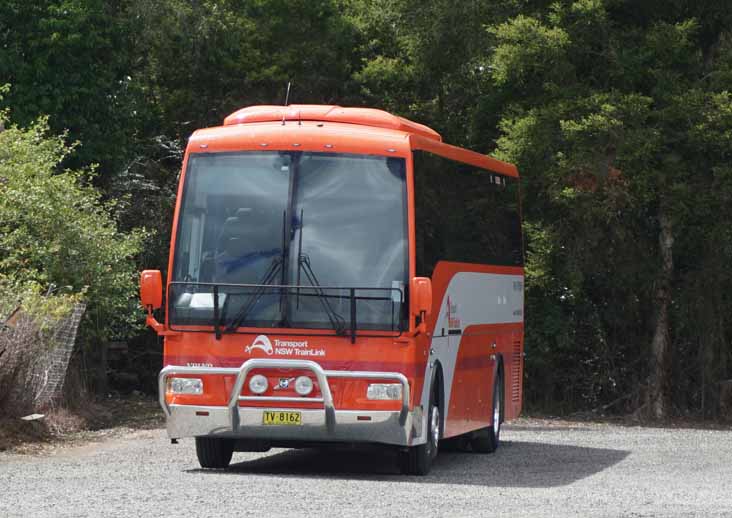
(93, 420)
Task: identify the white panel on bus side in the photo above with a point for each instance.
(474, 298)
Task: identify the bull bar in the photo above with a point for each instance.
(403, 427)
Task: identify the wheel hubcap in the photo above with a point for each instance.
(435, 425)
(496, 410)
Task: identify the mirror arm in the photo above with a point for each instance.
(422, 327)
(156, 326)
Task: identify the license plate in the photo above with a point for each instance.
(278, 417)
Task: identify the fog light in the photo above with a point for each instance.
(185, 385)
(303, 385)
(384, 391)
(258, 384)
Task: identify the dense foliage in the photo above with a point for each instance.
(58, 236)
(617, 112)
(620, 121)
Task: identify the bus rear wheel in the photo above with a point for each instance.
(485, 440)
(214, 452)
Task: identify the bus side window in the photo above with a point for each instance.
(464, 214)
(429, 210)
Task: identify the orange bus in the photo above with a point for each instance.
(339, 275)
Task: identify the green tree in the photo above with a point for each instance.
(55, 230)
(70, 59)
(201, 60)
(606, 101)
(427, 61)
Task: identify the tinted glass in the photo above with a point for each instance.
(465, 214)
(353, 231)
(230, 227)
(296, 219)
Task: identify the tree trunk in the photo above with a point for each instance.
(102, 380)
(725, 400)
(660, 346)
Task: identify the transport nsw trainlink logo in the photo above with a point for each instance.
(260, 342)
(283, 347)
(453, 320)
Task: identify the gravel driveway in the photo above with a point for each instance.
(542, 468)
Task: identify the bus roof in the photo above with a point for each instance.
(330, 113)
(358, 129)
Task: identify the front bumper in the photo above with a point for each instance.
(402, 427)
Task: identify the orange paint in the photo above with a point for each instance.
(334, 129)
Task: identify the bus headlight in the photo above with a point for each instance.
(303, 385)
(185, 385)
(258, 384)
(382, 391)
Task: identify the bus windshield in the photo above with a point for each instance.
(291, 239)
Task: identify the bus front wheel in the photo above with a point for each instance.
(417, 460)
(214, 452)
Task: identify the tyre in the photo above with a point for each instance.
(252, 445)
(485, 440)
(417, 460)
(214, 453)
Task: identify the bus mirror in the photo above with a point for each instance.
(151, 289)
(420, 291)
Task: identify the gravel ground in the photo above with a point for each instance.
(542, 468)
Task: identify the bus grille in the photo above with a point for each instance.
(516, 359)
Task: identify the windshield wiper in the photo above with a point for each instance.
(241, 316)
(217, 329)
(337, 321)
(274, 267)
(303, 264)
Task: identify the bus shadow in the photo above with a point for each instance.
(515, 464)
